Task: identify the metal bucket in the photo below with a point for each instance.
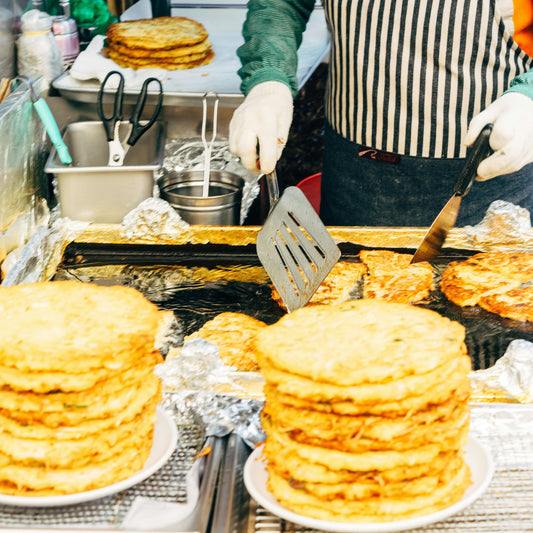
(222, 205)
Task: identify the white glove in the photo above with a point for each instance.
(262, 120)
(511, 137)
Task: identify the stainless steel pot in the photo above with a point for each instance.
(221, 207)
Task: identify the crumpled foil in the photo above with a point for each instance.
(190, 378)
(510, 379)
(42, 253)
(504, 224)
(153, 219)
(189, 154)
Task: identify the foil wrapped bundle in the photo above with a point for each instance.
(191, 377)
(504, 224)
(510, 379)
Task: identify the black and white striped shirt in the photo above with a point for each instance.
(406, 76)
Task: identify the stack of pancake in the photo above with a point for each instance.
(366, 411)
(77, 389)
(171, 43)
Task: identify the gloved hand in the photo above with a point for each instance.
(262, 120)
(511, 137)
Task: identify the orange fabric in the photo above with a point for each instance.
(523, 24)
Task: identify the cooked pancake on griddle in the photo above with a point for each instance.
(78, 393)
(338, 286)
(366, 410)
(234, 334)
(515, 303)
(381, 274)
(492, 280)
(392, 277)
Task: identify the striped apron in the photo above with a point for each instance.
(405, 78)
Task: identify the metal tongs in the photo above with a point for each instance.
(208, 148)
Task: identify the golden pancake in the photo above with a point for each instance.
(448, 435)
(68, 326)
(22, 480)
(516, 303)
(29, 425)
(387, 391)
(182, 51)
(373, 341)
(374, 509)
(130, 379)
(458, 390)
(44, 382)
(338, 286)
(72, 414)
(378, 428)
(339, 460)
(167, 64)
(290, 465)
(68, 453)
(234, 334)
(484, 274)
(157, 33)
(391, 277)
(141, 61)
(364, 488)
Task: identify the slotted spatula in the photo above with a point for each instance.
(294, 246)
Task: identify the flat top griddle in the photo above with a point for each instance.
(196, 299)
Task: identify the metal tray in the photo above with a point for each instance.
(89, 189)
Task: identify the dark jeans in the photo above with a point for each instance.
(409, 191)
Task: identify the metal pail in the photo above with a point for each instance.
(222, 205)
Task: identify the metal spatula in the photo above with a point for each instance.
(294, 246)
(432, 243)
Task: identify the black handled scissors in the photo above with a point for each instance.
(118, 149)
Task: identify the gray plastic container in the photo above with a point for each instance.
(222, 207)
(89, 190)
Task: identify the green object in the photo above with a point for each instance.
(522, 84)
(84, 12)
(272, 34)
(50, 125)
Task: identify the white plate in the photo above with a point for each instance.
(164, 444)
(476, 456)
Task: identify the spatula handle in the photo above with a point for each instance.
(273, 188)
(479, 151)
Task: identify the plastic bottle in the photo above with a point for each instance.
(38, 51)
(66, 35)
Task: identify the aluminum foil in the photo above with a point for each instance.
(40, 256)
(510, 379)
(504, 224)
(190, 377)
(188, 154)
(153, 219)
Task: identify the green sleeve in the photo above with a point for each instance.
(522, 84)
(272, 34)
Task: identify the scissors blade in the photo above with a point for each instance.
(116, 149)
